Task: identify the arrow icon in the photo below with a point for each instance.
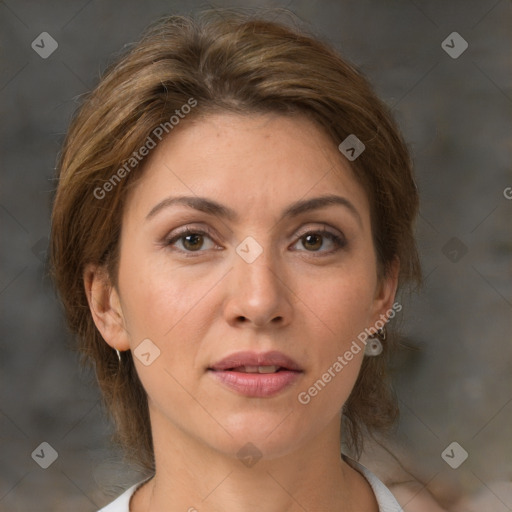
(249, 253)
(44, 45)
(454, 455)
(44, 455)
(147, 352)
(249, 455)
(454, 45)
(351, 147)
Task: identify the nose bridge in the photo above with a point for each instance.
(259, 294)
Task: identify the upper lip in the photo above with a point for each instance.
(273, 358)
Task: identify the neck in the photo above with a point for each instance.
(191, 476)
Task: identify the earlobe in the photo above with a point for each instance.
(105, 307)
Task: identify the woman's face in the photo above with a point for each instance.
(265, 265)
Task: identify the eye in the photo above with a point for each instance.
(191, 241)
(322, 241)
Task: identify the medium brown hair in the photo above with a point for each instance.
(229, 62)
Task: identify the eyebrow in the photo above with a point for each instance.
(212, 207)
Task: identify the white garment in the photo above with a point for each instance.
(386, 501)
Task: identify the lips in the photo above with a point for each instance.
(252, 360)
(256, 375)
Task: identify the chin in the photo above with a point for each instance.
(267, 434)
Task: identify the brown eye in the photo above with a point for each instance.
(312, 242)
(193, 242)
(323, 242)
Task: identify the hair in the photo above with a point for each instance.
(235, 63)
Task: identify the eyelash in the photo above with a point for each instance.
(338, 241)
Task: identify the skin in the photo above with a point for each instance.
(301, 296)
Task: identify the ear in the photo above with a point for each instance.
(385, 292)
(105, 307)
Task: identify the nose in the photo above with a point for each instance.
(258, 294)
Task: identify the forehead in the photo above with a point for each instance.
(262, 161)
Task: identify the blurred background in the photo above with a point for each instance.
(452, 96)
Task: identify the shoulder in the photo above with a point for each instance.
(385, 499)
(122, 502)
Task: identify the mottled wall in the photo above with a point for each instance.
(454, 385)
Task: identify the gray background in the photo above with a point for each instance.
(453, 385)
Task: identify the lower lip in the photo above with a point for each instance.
(258, 385)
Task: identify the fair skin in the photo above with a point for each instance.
(304, 296)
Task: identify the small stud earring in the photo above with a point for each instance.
(374, 345)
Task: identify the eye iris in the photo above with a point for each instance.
(193, 242)
(312, 242)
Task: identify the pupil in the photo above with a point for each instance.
(314, 241)
(193, 242)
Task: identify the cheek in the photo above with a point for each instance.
(338, 309)
(343, 301)
(170, 306)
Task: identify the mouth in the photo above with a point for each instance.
(256, 375)
(257, 369)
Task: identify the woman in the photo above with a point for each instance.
(233, 218)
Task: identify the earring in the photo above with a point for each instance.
(374, 345)
(118, 355)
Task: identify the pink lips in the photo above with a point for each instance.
(256, 384)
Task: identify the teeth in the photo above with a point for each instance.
(257, 369)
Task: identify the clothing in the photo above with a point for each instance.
(386, 501)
